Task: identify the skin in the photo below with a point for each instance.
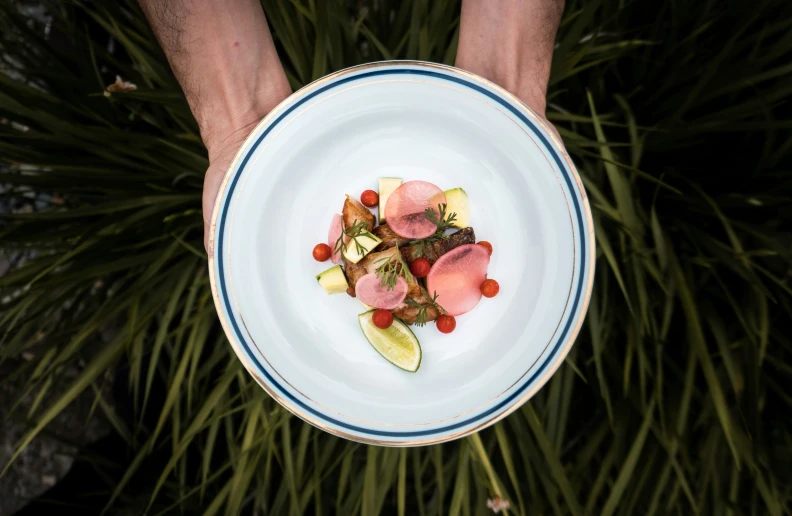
(225, 61)
(510, 42)
(222, 54)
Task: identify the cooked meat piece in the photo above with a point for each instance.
(373, 260)
(404, 312)
(354, 271)
(414, 289)
(408, 314)
(354, 212)
(369, 265)
(388, 237)
(434, 250)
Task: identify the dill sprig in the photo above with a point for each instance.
(442, 221)
(389, 271)
(423, 309)
(353, 232)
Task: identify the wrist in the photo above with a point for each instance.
(233, 113)
(225, 61)
(510, 42)
(528, 87)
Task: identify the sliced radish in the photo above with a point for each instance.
(457, 277)
(371, 291)
(406, 208)
(332, 236)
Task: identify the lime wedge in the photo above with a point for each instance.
(396, 344)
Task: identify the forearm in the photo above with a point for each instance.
(510, 42)
(223, 57)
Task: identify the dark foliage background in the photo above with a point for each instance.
(675, 398)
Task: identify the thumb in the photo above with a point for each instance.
(212, 181)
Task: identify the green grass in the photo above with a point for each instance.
(675, 398)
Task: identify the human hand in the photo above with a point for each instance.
(510, 42)
(224, 58)
(223, 144)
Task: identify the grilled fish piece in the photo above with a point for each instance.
(389, 237)
(432, 251)
(408, 313)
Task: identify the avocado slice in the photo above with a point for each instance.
(386, 187)
(367, 241)
(457, 202)
(333, 280)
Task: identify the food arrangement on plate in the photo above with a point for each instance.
(420, 264)
(417, 121)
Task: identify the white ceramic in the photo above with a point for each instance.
(415, 121)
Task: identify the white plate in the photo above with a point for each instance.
(415, 121)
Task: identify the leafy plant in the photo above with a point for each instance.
(673, 399)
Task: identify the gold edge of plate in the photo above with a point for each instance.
(539, 382)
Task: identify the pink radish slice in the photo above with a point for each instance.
(371, 291)
(406, 209)
(332, 236)
(457, 277)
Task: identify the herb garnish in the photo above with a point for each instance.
(392, 269)
(442, 222)
(357, 229)
(423, 310)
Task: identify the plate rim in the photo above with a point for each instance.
(491, 414)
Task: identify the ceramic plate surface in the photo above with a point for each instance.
(417, 121)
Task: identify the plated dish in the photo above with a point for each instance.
(422, 264)
(415, 122)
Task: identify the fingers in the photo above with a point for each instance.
(212, 181)
(552, 127)
(221, 158)
(222, 150)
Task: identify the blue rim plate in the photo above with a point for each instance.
(412, 120)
